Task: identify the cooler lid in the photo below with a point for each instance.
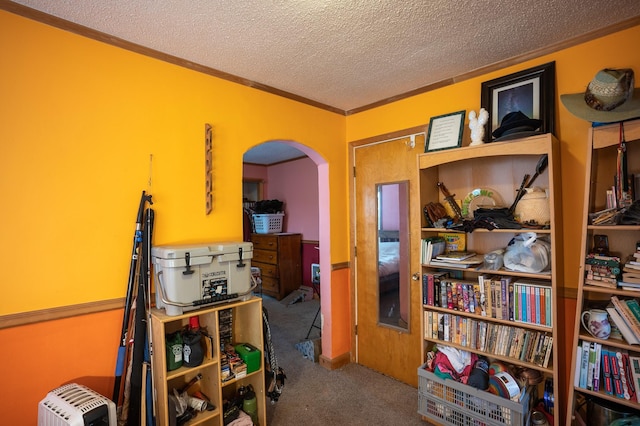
(205, 251)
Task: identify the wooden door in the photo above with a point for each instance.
(385, 343)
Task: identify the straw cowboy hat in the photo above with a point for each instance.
(609, 98)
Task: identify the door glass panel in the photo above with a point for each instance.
(393, 254)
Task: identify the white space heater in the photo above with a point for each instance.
(76, 405)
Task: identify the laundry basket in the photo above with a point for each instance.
(268, 223)
(457, 404)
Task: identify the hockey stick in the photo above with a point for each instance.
(137, 240)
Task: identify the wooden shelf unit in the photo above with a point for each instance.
(499, 166)
(247, 328)
(601, 161)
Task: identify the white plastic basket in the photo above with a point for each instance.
(452, 403)
(268, 223)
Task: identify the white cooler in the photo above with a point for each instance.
(189, 277)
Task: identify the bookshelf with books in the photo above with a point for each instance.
(502, 314)
(608, 273)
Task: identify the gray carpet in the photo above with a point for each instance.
(313, 395)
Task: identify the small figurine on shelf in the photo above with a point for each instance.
(476, 124)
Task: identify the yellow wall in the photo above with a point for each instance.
(80, 120)
(575, 67)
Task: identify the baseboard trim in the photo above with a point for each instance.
(335, 363)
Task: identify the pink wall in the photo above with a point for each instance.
(296, 183)
(390, 207)
(255, 172)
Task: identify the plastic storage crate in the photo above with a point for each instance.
(268, 223)
(453, 403)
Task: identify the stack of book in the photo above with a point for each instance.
(456, 259)
(630, 278)
(523, 300)
(625, 314)
(602, 270)
(518, 343)
(608, 369)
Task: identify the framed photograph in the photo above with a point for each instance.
(531, 91)
(445, 131)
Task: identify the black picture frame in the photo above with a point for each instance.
(531, 91)
(445, 131)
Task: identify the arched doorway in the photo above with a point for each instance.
(276, 154)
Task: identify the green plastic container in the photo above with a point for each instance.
(250, 355)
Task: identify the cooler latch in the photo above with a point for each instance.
(187, 260)
(240, 262)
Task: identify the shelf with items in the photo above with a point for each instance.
(500, 167)
(605, 238)
(245, 327)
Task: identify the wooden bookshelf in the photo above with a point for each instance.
(499, 166)
(601, 161)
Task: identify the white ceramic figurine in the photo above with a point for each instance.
(476, 124)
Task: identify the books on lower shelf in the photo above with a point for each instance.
(608, 369)
(522, 300)
(627, 319)
(519, 343)
(622, 326)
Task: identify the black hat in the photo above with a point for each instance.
(516, 122)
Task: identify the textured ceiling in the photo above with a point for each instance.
(345, 54)
(342, 54)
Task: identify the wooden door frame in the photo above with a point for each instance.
(352, 215)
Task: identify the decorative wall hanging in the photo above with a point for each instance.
(208, 167)
(531, 92)
(445, 131)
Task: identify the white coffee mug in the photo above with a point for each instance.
(596, 322)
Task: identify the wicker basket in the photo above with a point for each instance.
(452, 403)
(268, 223)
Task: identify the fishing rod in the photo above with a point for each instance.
(140, 338)
(131, 284)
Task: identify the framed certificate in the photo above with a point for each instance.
(445, 131)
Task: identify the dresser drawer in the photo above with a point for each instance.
(270, 284)
(264, 242)
(265, 256)
(266, 269)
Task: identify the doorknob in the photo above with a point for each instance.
(416, 276)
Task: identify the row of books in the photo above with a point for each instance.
(625, 314)
(499, 339)
(604, 368)
(523, 300)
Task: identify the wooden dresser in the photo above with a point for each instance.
(279, 257)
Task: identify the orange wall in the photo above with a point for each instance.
(81, 121)
(49, 354)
